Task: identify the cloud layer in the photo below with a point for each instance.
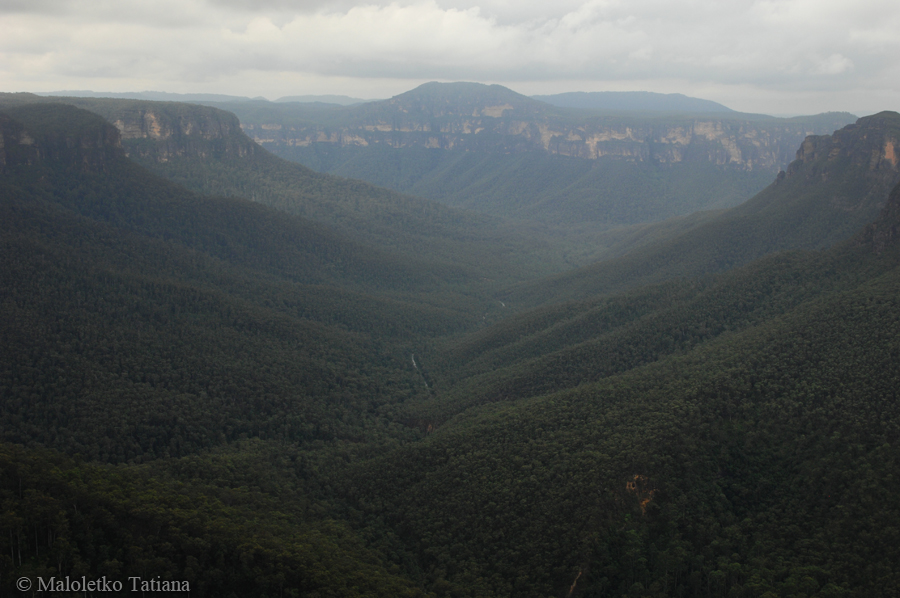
(772, 49)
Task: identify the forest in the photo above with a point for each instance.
(229, 370)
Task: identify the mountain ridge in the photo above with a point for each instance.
(204, 149)
(837, 185)
(473, 117)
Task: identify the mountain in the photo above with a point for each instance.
(490, 149)
(204, 149)
(104, 254)
(204, 388)
(712, 434)
(632, 101)
(687, 472)
(144, 323)
(483, 118)
(835, 186)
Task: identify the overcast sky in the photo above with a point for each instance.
(774, 56)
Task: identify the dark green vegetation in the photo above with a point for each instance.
(326, 403)
(204, 150)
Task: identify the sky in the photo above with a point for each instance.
(765, 56)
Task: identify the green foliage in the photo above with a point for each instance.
(142, 321)
(63, 518)
(260, 404)
(751, 463)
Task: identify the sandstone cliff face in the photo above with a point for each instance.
(481, 118)
(870, 149)
(160, 131)
(739, 143)
(874, 140)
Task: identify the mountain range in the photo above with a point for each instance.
(490, 149)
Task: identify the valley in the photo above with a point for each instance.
(523, 350)
(489, 149)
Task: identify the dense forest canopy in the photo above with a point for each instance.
(226, 370)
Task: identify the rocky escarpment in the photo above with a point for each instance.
(469, 117)
(873, 141)
(723, 142)
(160, 131)
(864, 156)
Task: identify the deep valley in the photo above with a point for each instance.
(458, 343)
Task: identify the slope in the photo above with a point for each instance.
(532, 186)
(145, 324)
(734, 434)
(130, 530)
(836, 185)
(204, 149)
(141, 320)
(755, 456)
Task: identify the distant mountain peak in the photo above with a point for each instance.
(463, 98)
(465, 90)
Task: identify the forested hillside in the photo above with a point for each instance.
(204, 388)
(205, 150)
(144, 323)
(142, 292)
(738, 437)
(836, 185)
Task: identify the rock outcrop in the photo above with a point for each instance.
(159, 131)
(868, 150)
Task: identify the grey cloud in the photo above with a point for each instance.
(33, 6)
(787, 45)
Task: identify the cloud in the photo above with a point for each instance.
(769, 44)
(834, 65)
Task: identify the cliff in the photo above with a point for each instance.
(480, 118)
(837, 186)
(160, 131)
